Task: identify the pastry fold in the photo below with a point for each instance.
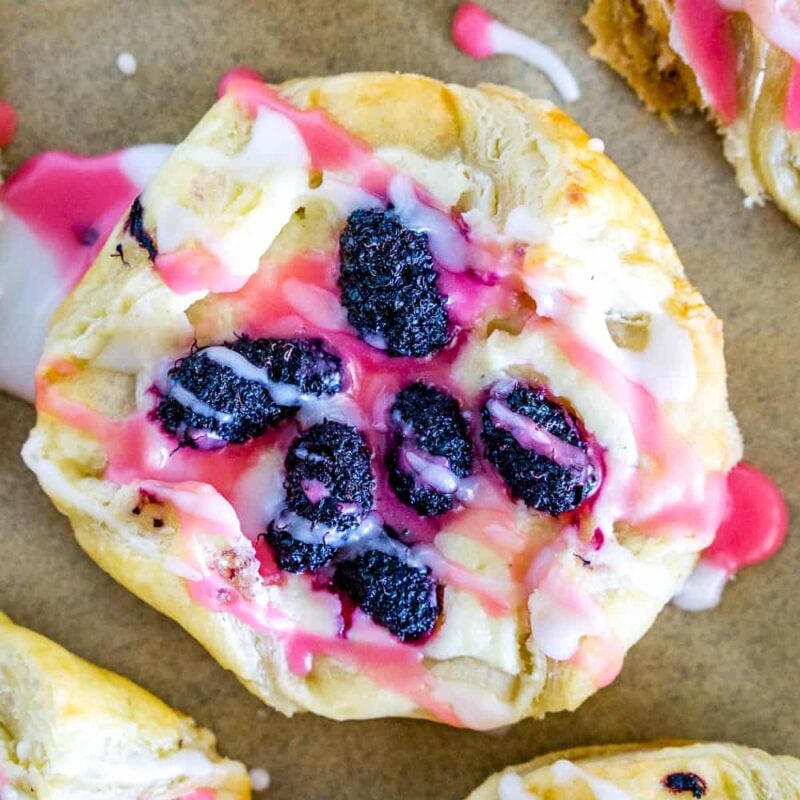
(72, 731)
(654, 771)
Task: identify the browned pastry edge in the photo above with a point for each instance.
(632, 37)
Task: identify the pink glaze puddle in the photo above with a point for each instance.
(791, 111)
(8, 123)
(756, 522)
(704, 31)
(199, 794)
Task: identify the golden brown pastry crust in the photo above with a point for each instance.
(528, 153)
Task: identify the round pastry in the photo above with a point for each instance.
(72, 731)
(655, 771)
(394, 395)
(739, 61)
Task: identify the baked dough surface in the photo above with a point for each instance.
(524, 172)
(72, 731)
(708, 770)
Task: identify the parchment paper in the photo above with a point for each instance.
(727, 674)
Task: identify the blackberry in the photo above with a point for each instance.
(328, 480)
(431, 449)
(292, 555)
(390, 287)
(537, 448)
(394, 592)
(135, 226)
(233, 392)
(678, 782)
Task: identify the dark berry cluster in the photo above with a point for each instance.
(329, 486)
(431, 449)
(233, 392)
(395, 592)
(389, 285)
(532, 465)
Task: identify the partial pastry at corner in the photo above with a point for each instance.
(395, 396)
(739, 61)
(653, 771)
(72, 731)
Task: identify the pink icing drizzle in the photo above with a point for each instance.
(8, 123)
(710, 49)
(471, 30)
(704, 31)
(791, 111)
(199, 794)
(71, 202)
(756, 522)
(237, 73)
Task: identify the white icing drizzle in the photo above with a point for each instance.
(275, 160)
(505, 39)
(703, 588)
(284, 394)
(523, 225)
(189, 400)
(565, 772)
(432, 472)
(535, 437)
(512, 787)
(447, 244)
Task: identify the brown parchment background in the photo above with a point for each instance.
(727, 674)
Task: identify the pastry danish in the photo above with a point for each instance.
(395, 396)
(735, 59)
(72, 731)
(656, 771)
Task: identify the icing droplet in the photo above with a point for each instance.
(756, 524)
(476, 33)
(126, 64)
